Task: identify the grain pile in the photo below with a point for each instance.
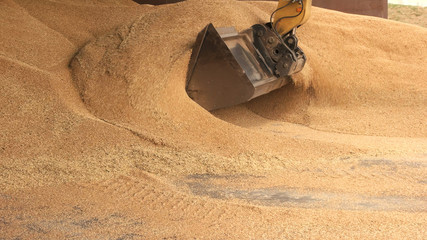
(135, 77)
(93, 91)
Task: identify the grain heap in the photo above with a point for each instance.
(135, 77)
(94, 117)
(359, 79)
(356, 70)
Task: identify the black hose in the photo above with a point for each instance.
(280, 19)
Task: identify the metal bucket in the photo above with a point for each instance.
(226, 69)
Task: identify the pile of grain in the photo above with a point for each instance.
(92, 101)
(122, 105)
(360, 77)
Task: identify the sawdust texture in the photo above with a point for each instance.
(98, 138)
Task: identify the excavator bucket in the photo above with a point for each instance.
(227, 69)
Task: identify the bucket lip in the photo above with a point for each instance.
(195, 53)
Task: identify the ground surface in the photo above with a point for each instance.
(99, 140)
(408, 14)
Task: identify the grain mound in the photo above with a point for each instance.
(135, 77)
(76, 143)
(359, 78)
(125, 107)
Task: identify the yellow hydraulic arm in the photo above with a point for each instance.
(290, 14)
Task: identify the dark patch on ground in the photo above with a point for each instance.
(390, 163)
(287, 197)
